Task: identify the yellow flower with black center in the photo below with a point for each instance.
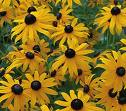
(79, 102)
(57, 75)
(107, 96)
(12, 90)
(6, 15)
(31, 24)
(38, 87)
(26, 59)
(90, 85)
(72, 30)
(82, 72)
(70, 2)
(63, 16)
(115, 15)
(73, 57)
(41, 47)
(115, 69)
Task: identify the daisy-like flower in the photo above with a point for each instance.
(70, 2)
(72, 58)
(6, 15)
(79, 102)
(26, 59)
(115, 69)
(57, 75)
(115, 15)
(38, 87)
(107, 96)
(82, 72)
(31, 24)
(70, 31)
(41, 47)
(63, 15)
(90, 85)
(12, 90)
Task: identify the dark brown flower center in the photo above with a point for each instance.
(36, 85)
(3, 13)
(77, 104)
(17, 89)
(86, 88)
(80, 72)
(53, 73)
(30, 55)
(111, 93)
(58, 15)
(30, 19)
(115, 11)
(68, 29)
(31, 9)
(70, 53)
(120, 71)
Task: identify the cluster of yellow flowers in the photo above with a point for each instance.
(35, 21)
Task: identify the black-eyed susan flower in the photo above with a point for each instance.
(107, 96)
(115, 15)
(27, 59)
(31, 24)
(90, 85)
(70, 2)
(57, 75)
(38, 87)
(82, 72)
(13, 90)
(68, 31)
(72, 58)
(63, 16)
(6, 15)
(79, 102)
(41, 47)
(114, 65)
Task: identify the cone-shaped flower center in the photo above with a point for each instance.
(55, 23)
(79, 72)
(30, 19)
(115, 11)
(86, 88)
(120, 71)
(58, 15)
(36, 48)
(53, 73)
(70, 53)
(111, 93)
(122, 100)
(77, 104)
(36, 85)
(31, 9)
(17, 89)
(68, 29)
(3, 13)
(30, 55)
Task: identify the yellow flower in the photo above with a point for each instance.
(6, 15)
(63, 14)
(57, 75)
(115, 69)
(28, 60)
(90, 85)
(12, 90)
(38, 87)
(72, 30)
(41, 47)
(70, 2)
(79, 102)
(72, 58)
(31, 24)
(115, 16)
(107, 96)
